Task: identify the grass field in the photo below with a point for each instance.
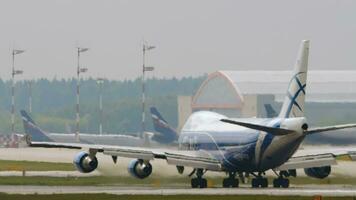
(10, 165)
(156, 197)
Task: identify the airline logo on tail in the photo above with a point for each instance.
(293, 105)
(299, 94)
(166, 134)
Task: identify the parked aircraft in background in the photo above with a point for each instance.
(271, 113)
(211, 141)
(165, 133)
(35, 133)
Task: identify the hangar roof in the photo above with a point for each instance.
(322, 86)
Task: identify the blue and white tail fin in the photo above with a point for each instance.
(293, 105)
(32, 130)
(166, 134)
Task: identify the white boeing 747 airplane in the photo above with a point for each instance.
(211, 141)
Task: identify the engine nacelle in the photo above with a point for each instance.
(140, 169)
(84, 163)
(318, 172)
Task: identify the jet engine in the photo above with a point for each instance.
(84, 163)
(140, 169)
(318, 172)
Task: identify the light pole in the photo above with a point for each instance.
(145, 48)
(30, 96)
(100, 82)
(79, 71)
(14, 72)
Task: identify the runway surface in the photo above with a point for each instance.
(108, 168)
(47, 173)
(330, 190)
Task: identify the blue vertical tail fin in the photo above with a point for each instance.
(166, 134)
(32, 130)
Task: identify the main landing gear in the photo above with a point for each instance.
(282, 182)
(231, 181)
(199, 181)
(259, 181)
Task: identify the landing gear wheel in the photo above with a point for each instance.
(254, 183)
(281, 182)
(203, 183)
(235, 183)
(199, 183)
(194, 182)
(277, 183)
(230, 182)
(264, 182)
(285, 183)
(259, 182)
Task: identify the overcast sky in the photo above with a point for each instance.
(192, 36)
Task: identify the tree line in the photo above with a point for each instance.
(53, 103)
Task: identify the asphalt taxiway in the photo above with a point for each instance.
(47, 174)
(330, 190)
(108, 168)
(161, 168)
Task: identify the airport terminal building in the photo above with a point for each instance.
(245, 94)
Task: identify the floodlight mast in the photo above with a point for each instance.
(14, 72)
(30, 96)
(100, 82)
(145, 48)
(79, 71)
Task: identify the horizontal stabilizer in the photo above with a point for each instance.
(329, 128)
(268, 129)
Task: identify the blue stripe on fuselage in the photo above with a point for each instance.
(268, 139)
(240, 158)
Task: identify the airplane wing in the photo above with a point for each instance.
(318, 158)
(196, 159)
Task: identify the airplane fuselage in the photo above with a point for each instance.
(239, 148)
